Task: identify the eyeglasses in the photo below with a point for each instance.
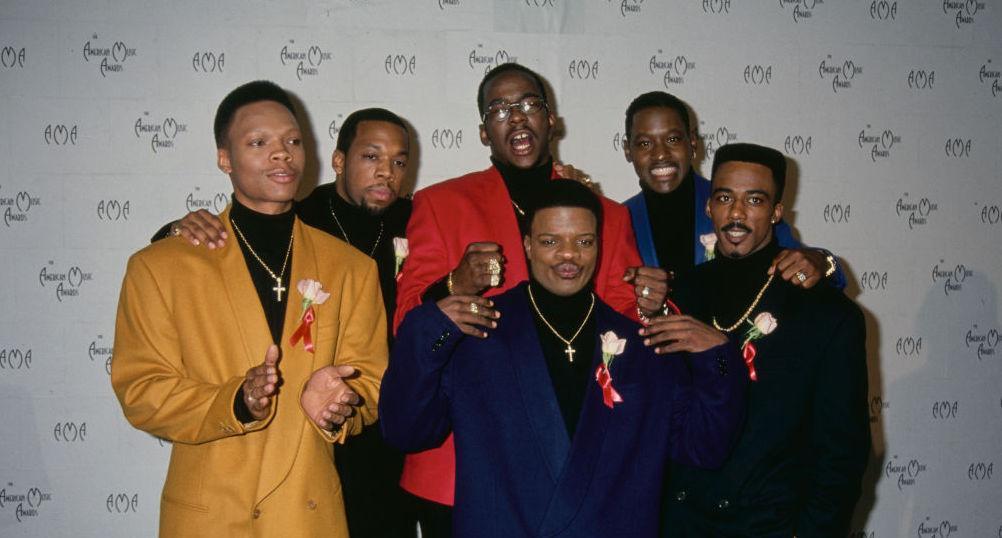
(499, 111)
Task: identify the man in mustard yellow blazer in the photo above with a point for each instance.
(255, 357)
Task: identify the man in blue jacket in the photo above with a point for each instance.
(564, 421)
(671, 227)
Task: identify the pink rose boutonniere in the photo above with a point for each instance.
(313, 293)
(763, 324)
(400, 251)
(709, 242)
(612, 346)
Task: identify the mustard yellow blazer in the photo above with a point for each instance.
(189, 326)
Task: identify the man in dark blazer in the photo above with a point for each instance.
(465, 239)
(797, 468)
(564, 421)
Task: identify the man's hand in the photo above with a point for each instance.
(650, 284)
(670, 334)
(327, 399)
(472, 320)
(473, 274)
(261, 383)
(792, 263)
(568, 171)
(201, 227)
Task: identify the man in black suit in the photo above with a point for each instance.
(797, 468)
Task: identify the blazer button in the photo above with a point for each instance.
(311, 505)
(724, 504)
(257, 513)
(680, 496)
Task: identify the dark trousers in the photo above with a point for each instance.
(374, 503)
(435, 518)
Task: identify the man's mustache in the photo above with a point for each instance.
(736, 226)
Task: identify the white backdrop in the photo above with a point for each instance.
(890, 111)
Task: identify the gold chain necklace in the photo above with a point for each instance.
(279, 289)
(519, 209)
(569, 351)
(747, 312)
(344, 232)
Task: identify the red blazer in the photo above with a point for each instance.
(447, 217)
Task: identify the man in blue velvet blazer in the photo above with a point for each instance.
(671, 228)
(564, 419)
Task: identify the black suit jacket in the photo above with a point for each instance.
(798, 465)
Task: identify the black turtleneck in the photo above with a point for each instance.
(363, 229)
(522, 183)
(673, 221)
(737, 281)
(565, 314)
(269, 236)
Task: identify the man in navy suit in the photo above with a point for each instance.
(564, 420)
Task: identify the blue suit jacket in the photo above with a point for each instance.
(645, 238)
(518, 473)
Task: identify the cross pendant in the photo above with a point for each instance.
(278, 289)
(570, 353)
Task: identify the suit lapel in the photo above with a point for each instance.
(243, 298)
(642, 230)
(586, 447)
(535, 387)
(296, 364)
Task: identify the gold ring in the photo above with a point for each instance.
(474, 308)
(801, 276)
(494, 266)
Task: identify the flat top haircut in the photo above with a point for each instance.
(754, 153)
(502, 69)
(349, 127)
(562, 193)
(252, 92)
(658, 99)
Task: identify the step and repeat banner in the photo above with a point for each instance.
(889, 112)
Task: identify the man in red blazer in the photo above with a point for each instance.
(465, 241)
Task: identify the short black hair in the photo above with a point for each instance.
(561, 193)
(501, 69)
(754, 153)
(349, 127)
(657, 99)
(252, 92)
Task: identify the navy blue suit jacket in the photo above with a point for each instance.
(518, 473)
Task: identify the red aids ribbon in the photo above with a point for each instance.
(303, 332)
(748, 352)
(609, 394)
